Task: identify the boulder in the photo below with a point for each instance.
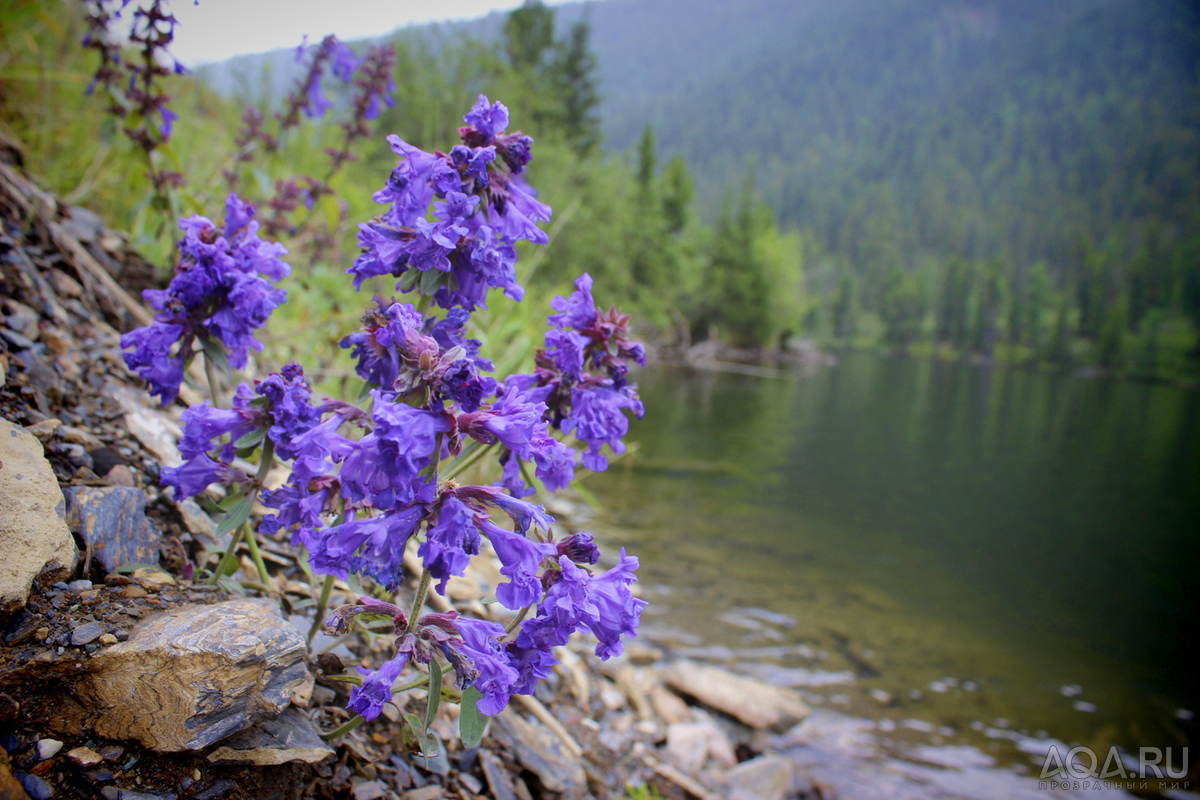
(753, 703)
(189, 677)
(33, 531)
(112, 520)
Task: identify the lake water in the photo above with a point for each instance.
(969, 550)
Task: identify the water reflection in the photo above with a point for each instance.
(1014, 532)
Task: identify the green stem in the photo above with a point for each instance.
(228, 556)
(211, 373)
(322, 606)
(512, 626)
(344, 728)
(423, 304)
(418, 600)
(256, 557)
(465, 462)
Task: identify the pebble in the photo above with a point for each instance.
(85, 756)
(35, 787)
(85, 633)
(108, 638)
(48, 748)
(79, 586)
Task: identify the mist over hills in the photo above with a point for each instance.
(897, 131)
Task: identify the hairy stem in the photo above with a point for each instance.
(211, 373)
(344, 728)
(418, 600)
(227, 557)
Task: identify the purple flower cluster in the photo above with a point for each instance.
(581, 377)
(499, 666)
(403, 353)
(309, 98)
(481, 206)
(277, 409)
(222, 291)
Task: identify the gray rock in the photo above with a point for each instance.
(290, 737)
(130, 794)
(189, 677)
(87, 632)
(768, 777)
(33, 531)
(541, 752)
(35, 787)
(219, 789)
(79, 586)
(48, 748)
(756, 704)
(497, 777)
(112, 520)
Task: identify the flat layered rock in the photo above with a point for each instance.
(33, 531)
(112, 520)
(290, 737)
(190, 677)
(751, 702)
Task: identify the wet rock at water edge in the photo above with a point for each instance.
(112, 520)
(756, 704)
(767, 777)
(33, 532)
(190, 677)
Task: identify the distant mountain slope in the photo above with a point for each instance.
(900, 130)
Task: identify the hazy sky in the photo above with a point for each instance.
(216, 29)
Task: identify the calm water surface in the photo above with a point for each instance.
(975, 549)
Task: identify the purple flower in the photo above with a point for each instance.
(533, 663)
(577, 311)
(368, 700)
(385, 465)
(220, 291)
(495, 676)
(597, 419)
(487, 117)
(520, 559)
(372, 546)
(449, 544)
(580, 548)
(198, 473)
(408, 188)
(618, 611)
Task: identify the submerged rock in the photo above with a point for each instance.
(189, 677)
(33, 532)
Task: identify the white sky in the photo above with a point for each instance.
(217, 29)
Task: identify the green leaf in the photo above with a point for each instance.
(214, 351)
(236, 516)
(471, 723)
(435, 691)
(251, 439)
(428, 744)
(430, 281)
(128, 568)
(409, 279)
(491, 598)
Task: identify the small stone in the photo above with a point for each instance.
(48, 748)
(111, 793)
(120, 475)
(539, 751)
(45, 429)
(153, 575)
(669, 706)
(35, 787)
(87, 632)
(79, 586)
(85, 756)
(99, 775)
(219, 789)
(431, 792)
(128, 794)
(112, 752)
(131, 592)
(767, 777)
(369, 790)
(41, 634)
(108, 638)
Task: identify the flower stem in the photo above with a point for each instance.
(256, 557)
(211, 373)
(227, 557)
(418, 600)
(344, 728)
(517, 620)
(322, 606)
(463, 463)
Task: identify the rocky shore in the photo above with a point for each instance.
(120, 677)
